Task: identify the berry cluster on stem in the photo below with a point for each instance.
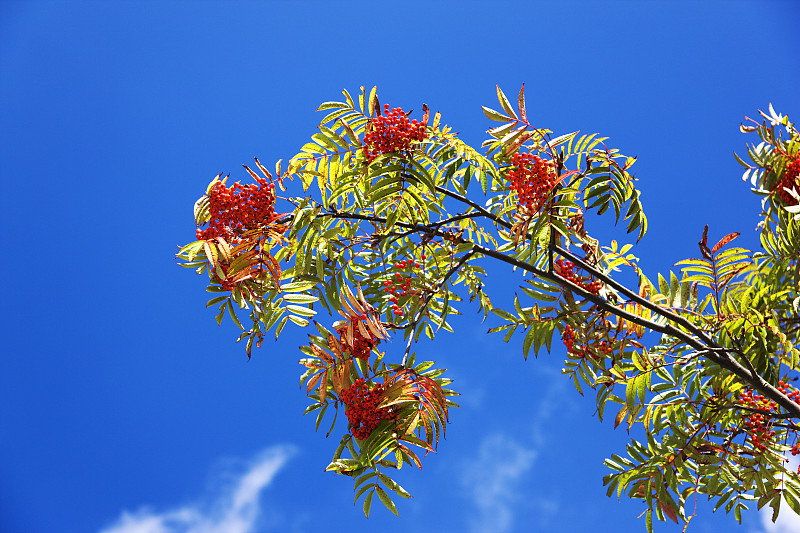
(238, 208)
(361, 407)
(580, 349)
(533, 178)
(565, 270)
(788, 181)
(400, 285)
(362, 344)
(759, 425)
(391, 132)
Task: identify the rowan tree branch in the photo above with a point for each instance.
(694, 337)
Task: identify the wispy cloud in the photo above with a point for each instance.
(234, 509)
(491, 479)
(788, 521)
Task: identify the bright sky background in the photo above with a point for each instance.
(124, 408)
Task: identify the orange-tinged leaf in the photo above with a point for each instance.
(274, 268)
(313, 382)
(241, 276)
(411, 455)
(425, 114)
(323, 387)
(426, 424)
(264, 170)
(347, 303)
(335, 347)
(354, 303)
(346, 373)
(336, 378)
(361, 298)
(723, 241)
(376, 328)
(322, 354)
(416, 441)
(349, 334)
(668, 510)
(361, 329)
(620, 416)
(519, 141)
(703, 244)
(253, 174)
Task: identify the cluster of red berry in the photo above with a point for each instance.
(362, 344)
(789, 180)
(238, 208)
(565, 270)
(392, 132)
(533, 178)
(362, 410)
(401, 284)
(568, 338)
(759, 425)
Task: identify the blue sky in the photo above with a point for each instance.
(125, 409)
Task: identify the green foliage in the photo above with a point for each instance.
(702, 360)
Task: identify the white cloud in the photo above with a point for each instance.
(788, 521)
(234, 509)
(491, 479)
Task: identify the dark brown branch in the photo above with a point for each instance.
(701, 342)
(442, 282)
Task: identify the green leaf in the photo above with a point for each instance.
(300, 310)
(300, 298)
(331, 105)
(386, 500)
(368, 503)
(501, 97)
(491, 114)
(791, 497)
(298, 286)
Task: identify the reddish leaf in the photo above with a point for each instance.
(262, 169)
(365, 333)
(253, 174)
(335, 347)
(346, 373)
(514, 146)
(668, 510)
(723, 241)
(411, 456)
(704, 245)
(521, 102)
(336, 378)
(322, 354)
(313, 382)
(323, 387)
